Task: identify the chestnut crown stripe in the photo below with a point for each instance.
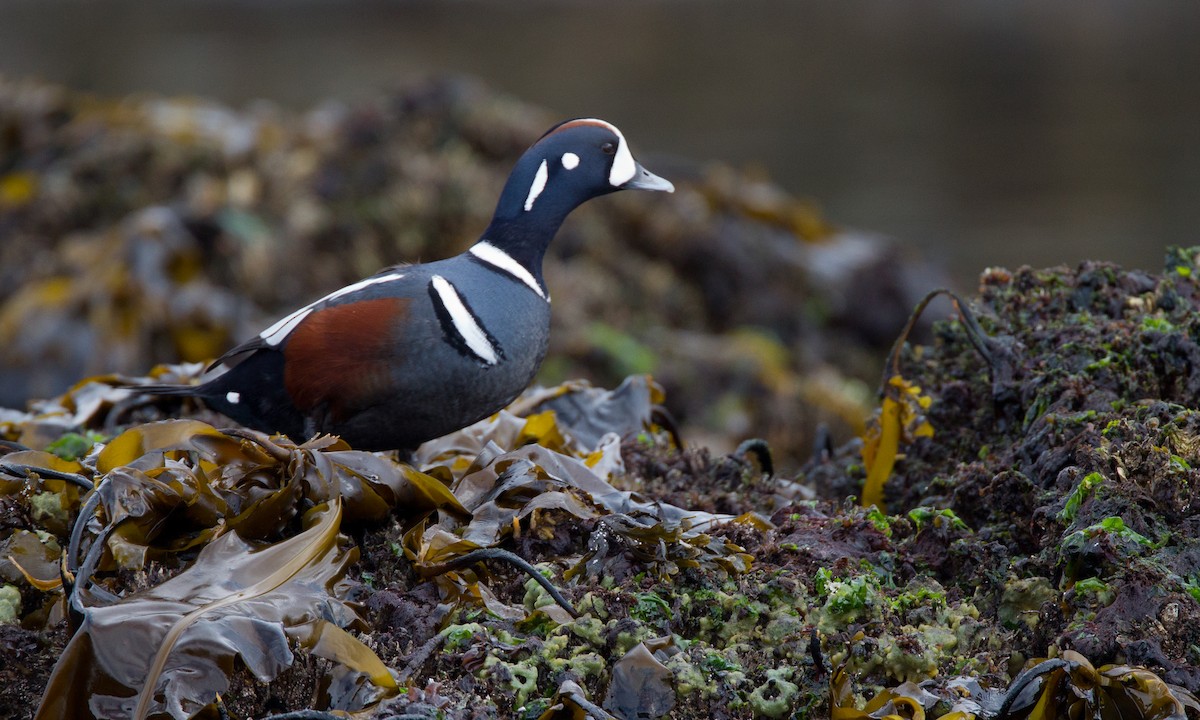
(623, 167)
(278, 332)
(489, 254)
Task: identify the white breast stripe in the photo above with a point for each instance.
(497, 258)
(539, 184)
(280, 330)
(464, 322)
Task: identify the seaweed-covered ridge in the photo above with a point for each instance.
(1038, 556)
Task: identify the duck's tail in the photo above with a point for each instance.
(173, 390)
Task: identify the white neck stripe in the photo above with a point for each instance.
(280, 330)
(464, 322)
(539, 184)
(501, 260)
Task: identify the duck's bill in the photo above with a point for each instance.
(643, 179)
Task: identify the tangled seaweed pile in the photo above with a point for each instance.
(1041, 560)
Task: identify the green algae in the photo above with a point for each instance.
(587, 628)
(932, 517)
(847, 601)
(519, 678)
(10, 604)
(650, 608)
(73, 446)
(49, 508)
(776, 696)
(689, 678)
(1079, 494)
(1022, 601)
(458, 637)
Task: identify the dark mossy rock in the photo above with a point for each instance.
(1069, 465)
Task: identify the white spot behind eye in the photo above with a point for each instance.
(539, 184)
(233, 398)
(570, 160)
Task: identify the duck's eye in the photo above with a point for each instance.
(609, 148)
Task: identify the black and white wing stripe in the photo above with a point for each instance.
(460, 325)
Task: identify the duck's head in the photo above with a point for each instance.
(573, 162)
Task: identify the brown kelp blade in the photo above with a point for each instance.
(171, 648)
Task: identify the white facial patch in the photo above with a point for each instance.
(623, 167)
(464, 322)
(539, 184)
(233, 397)
(501, 260)
(570, 160)
(280, 330)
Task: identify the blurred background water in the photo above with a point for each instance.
(983, 133)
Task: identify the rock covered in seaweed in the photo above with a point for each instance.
(1042, 517)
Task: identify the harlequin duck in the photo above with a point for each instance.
(419, 351)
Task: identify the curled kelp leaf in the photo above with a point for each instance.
(1071, 686)
(532, 484)
(572, 419)
(171, 648)
(904, 702)
(138, 508)
(587, 414)
(1063, 687)
(641, 684)
(173, 486)
(571, 703)
(389, 485)
(32, 557)
(544, 492)
(136, 442)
